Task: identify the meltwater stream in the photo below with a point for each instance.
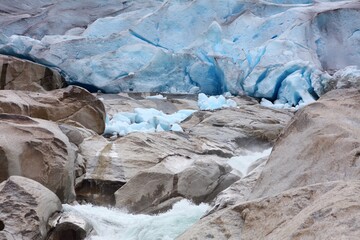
(114, 224)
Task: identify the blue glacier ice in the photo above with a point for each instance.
(214, 102)
(285, 51)
(145, 120)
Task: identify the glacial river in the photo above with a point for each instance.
(114, 224)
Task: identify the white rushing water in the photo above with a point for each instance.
(242, 163)
(114, 224)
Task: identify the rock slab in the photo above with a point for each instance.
(320, 144)
(321, 211)
(69, 105)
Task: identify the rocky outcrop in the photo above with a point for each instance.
(250, 127)
(72, 105)
(114, 163)
(199, 181)
(25, 207)
(307, 189)
(322, 211)
(19, 74)
(123, 158)
(37, 149)
(320, 144)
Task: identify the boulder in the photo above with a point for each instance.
(20, 74)
(320, 144)
(75, 134)
(110, 164)
(322, 211)
(68, 105)
(69, 226)
(25, 207)
(153, 186)
(250, 127)
(123, 158)
(37, 149)
(200, 181)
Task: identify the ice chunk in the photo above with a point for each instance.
(176, 128)
(214, 102)
(145, 120)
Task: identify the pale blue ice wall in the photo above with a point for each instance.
(279, 49)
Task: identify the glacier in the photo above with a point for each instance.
(283, 51)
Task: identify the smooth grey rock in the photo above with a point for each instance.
(127, 102)
(322, 211)
(123, 158)
(37, 149)
(200, 181)
(153, 186)
(307, 190)
(71, 104)
(250, 127)
(320, 144)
